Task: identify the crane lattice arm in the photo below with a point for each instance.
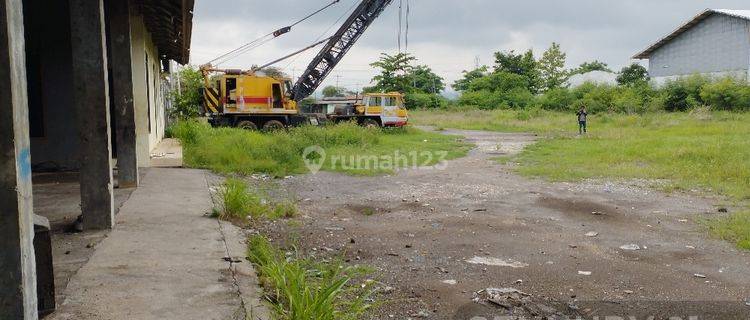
(337, 47)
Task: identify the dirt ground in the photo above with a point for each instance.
(439, 237)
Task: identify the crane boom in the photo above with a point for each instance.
(337, 47)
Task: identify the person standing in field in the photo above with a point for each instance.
(582, 114)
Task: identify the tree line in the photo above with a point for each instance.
(520, 81)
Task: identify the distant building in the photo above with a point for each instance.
(716, 43)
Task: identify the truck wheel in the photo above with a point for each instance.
(370, 123)
(273, 125)
(247, 125)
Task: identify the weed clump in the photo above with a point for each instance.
(238, 201)
(304, 289)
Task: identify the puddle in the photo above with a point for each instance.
(489, 261)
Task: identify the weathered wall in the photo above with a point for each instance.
(58, 149)
(720, 44)
(147, 94)
(50, 40)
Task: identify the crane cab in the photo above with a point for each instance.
(251, 100)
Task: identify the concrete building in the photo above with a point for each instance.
(716, 43)
(82, 89)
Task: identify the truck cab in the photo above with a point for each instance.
(387, 108)
(370, 110)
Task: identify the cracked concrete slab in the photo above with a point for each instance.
(165, 259)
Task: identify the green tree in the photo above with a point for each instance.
(552, 68)
(632, 75)
(425, 81)
(520, 64)
(595, 65)
(273, 72)
(333, 91)
(187, 100)
(394, 73)
(469, 76)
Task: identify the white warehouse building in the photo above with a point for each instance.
(715, 43)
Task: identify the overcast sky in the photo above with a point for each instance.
(447, 35)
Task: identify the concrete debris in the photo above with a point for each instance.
(421, 314)
(522, 305)
(592, 234)
(584, 273)
(630, 247)
(450, 282)
(496, 262)
(387, 290)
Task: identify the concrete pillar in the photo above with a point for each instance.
(18, 299)
(91, 100)
(118, 12)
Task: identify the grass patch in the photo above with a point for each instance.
(237, 201)
(230, 150)
(705, 150)
(304, 289)
(735, 228)
(700, 150)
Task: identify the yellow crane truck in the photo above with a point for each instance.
(250, 99)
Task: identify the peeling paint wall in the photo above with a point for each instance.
(148, 98)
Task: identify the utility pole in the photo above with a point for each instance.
(338, 79)
(476, 62)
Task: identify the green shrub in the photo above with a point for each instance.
(187, 103)
(727, 94)
(518, 98)
(559, 99)
(684, 93)
(499, 82)
(485, 100)
(424, 101)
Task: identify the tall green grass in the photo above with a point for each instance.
(302, 289)
(735, 228)
(238, 201)
(229, 150)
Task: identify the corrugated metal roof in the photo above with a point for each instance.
(645, 54)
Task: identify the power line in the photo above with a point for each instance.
(408, 13)
(265, 39)
(400, 15)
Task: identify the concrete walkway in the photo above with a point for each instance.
(166, 259)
